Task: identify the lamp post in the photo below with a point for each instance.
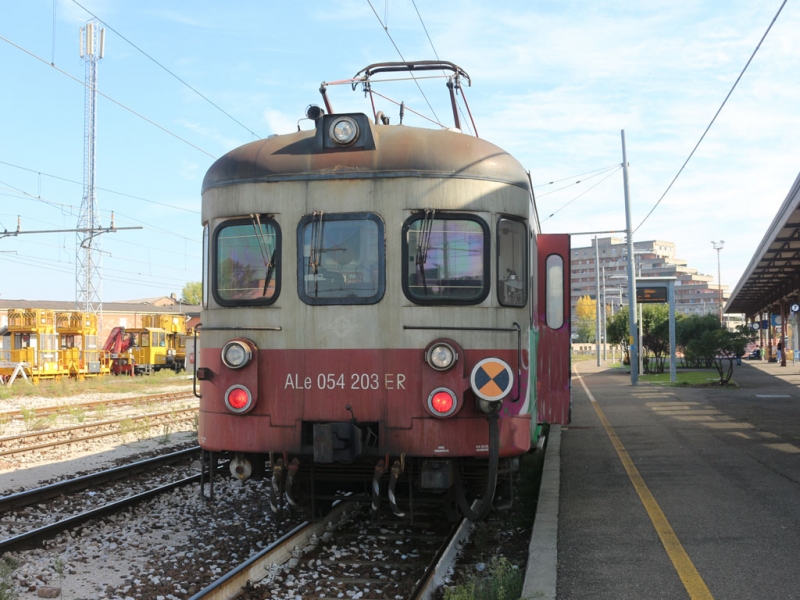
(718, 246)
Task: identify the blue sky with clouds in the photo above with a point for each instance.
(552, 82)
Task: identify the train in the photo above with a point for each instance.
(382, 313)
(160, 343)
(42, 344)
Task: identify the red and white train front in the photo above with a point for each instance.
(370, 306)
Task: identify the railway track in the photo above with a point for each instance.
(47, 411)
(35, 535)
(347, 555)
(69, 486)
(50, 438)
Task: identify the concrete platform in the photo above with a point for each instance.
(667, 492)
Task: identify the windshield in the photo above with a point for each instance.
(342, 258)
(445, 259)
(247, 267)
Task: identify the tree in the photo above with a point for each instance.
(692, 328)
(192, 293)
(617, 332)
(719, 345)
(586, 314)
(655, 336)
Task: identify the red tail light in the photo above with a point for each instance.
(238, 398)
(442, 402)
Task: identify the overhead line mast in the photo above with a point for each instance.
(88, 257)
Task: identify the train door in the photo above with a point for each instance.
(553, 385)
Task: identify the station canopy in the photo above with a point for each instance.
(774, 271)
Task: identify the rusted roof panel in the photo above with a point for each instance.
(399, 151)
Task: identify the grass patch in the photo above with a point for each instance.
(693, 377)
(8, 590)
(103, 384)
(583, 357)
(500, 581)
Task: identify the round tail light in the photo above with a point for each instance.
(442, 402)
(238, 399)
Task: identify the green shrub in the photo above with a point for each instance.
(501, 581)
(7, 589)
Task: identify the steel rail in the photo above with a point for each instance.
(28, 539)
(65, 409)
(238, 581)
(444, 560)
(259, 565)
(54, 443)
(52, 490)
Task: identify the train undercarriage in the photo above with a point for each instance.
(397, 485)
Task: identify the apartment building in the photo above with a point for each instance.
(695, 293)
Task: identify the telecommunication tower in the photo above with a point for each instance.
(88, 281)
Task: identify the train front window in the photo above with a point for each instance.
(512, 268)
(445, 258)
(247, 262)
(341, 258)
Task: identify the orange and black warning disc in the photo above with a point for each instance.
(492, 379)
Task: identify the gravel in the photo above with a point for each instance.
(171, 547)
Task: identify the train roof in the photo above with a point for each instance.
(390, 151)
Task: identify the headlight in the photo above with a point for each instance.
(441, 356)
(236, 355)
(344, 131)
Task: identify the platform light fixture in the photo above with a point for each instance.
(719, 246)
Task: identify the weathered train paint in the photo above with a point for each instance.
(554, 384)
(324, 368)
(388, 388)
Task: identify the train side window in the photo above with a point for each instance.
(247, 266)
(445, 258)
(341, 258)
(512, 268)
(554, 291)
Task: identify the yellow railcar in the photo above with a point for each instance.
(158, 344)
(80, 354)
(34, 351)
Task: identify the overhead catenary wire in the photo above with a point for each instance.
(436, 54)
(386, 30)
(197, 212)
(169, 266)
(719, 110)
(211, 102)
(581, 194)
(539, 185)
(579, 181)
(25, 195)
(140, 278)
(109, 98)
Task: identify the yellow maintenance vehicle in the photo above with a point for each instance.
(34, 348)
(80, 355)
(154, 346)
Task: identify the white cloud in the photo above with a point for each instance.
(278, 122)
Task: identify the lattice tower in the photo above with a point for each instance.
(88, 258)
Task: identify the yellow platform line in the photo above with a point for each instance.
(692, 581)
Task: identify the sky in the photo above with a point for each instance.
(553, 83)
